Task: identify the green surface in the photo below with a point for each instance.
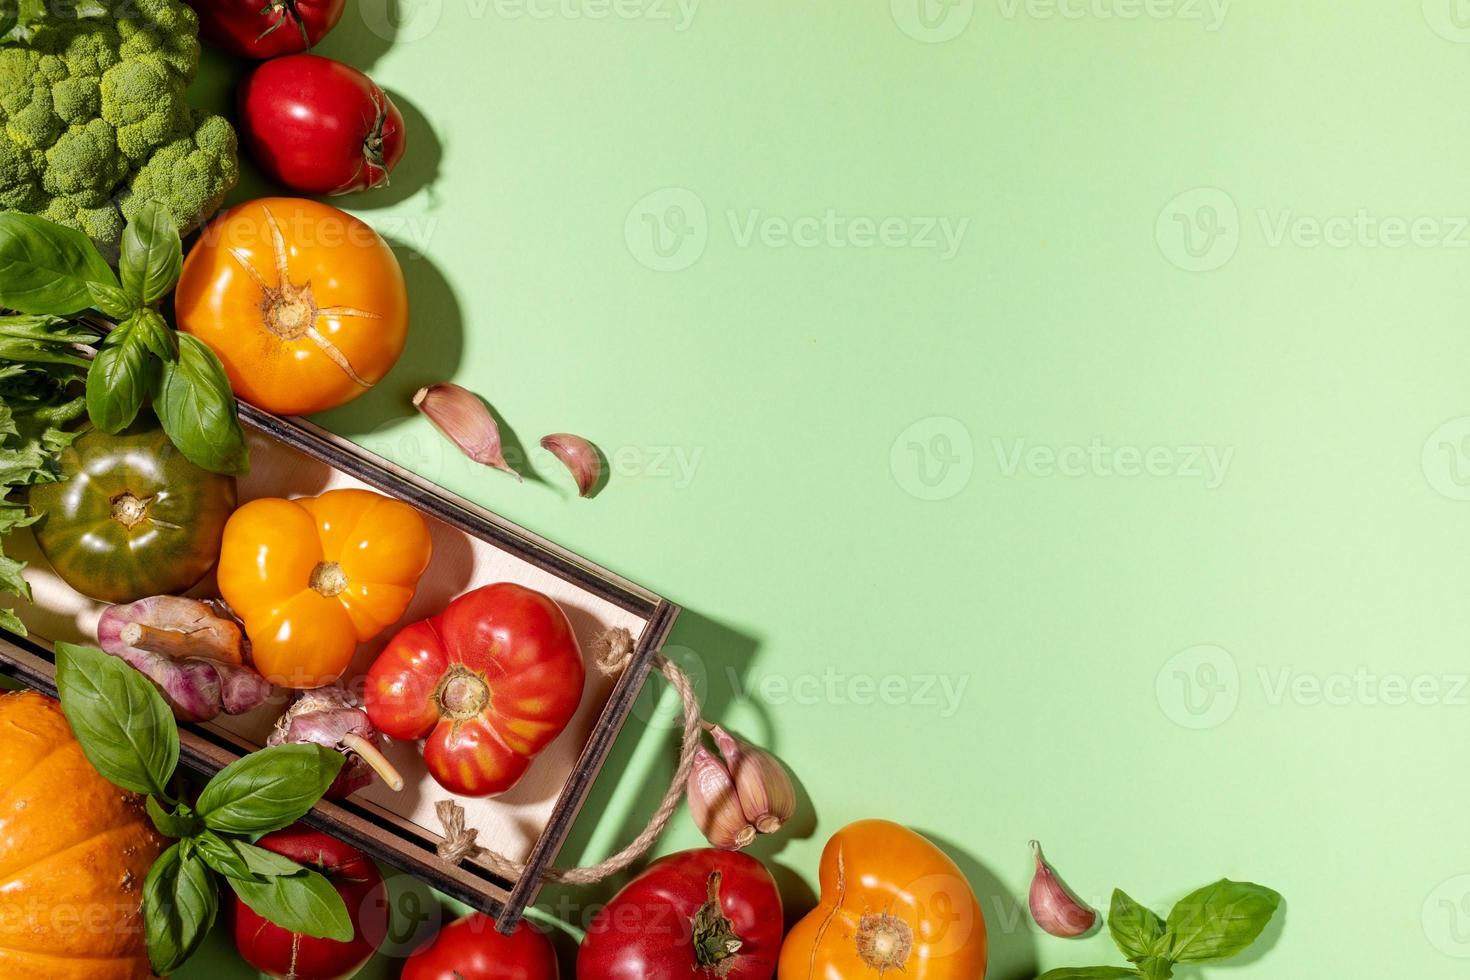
(1244, 659)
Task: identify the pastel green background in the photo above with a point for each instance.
(1256, 671)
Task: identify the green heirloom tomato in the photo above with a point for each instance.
(133, 518)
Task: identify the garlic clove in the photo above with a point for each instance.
(462, 416)
(577, 455)
(714, 804)
(329, 717)
(1054, 908)
(767, 796)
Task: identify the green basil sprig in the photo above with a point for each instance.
(47, 270)
(128, 733)
(1211, 923)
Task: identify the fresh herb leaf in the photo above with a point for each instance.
(269, 789)
(119, 379)
(1156, 968)
(181, 822)
(48, 268)
(125, 728)
(156, 335)
(111, 300)
(152, 255)
(237, 859)
(180, 902)
(1220, 920)
(305, 903)
(1138, 932)
(194, 402)
(1089, 973)
(27, 339)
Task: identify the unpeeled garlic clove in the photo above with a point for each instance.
(577, 455)
(329, 717)
(1053, 907)
(715, 805)
(462, 416)
(767, 796)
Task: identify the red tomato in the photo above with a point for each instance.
(489, 682)
(471, 949)
(319, 126)
(266, 28)
(705, 913)
(278, 953)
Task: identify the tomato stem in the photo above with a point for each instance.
(130, 510)
(715, 940)
(328, 579)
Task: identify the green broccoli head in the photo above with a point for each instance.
(95, 122)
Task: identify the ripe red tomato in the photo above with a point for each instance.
(697, 914)
(278, 953)
(266, 28)
(471, 949)
(489, 682)
(319, 126)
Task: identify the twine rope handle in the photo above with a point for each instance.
(613, 653)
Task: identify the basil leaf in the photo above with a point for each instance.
(152, 254)
(238, 859)
(1135, 928)
(1220, 920)
(119, 379)
(124, 726)
(269, 789)
(194, 402)
(47, 268)
(111, 300)
(155, 334)
(180, 902)
(27, 339)
(1156, 968)
(179, 823)
(305, 902)
(1089, 973)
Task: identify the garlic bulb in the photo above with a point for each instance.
(745, 792)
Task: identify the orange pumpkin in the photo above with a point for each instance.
(893, 905)
(74, 850)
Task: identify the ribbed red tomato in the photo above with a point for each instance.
(471, 949)
(319, 126)
(278, 953)
(695, 915)
(489, 682)
(266, 28)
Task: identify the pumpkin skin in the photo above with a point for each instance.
(74, 850)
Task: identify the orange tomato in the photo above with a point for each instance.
(313, 578)
(892, 905)
(304, 304)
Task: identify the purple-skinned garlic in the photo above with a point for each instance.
(579, 457)
(745, 792)
(329, 717)
(193, 654)
(1053, 907)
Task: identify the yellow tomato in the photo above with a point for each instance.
(304, 304)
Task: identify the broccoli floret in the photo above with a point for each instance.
(94, 121)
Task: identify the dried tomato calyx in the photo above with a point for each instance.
(130, 510)
(328, 579)
(715, 941)
(884, 941)
(462, 694)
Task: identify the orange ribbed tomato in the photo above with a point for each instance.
(304, 304)
(74, 851)
(313, 578)
(892, 905)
